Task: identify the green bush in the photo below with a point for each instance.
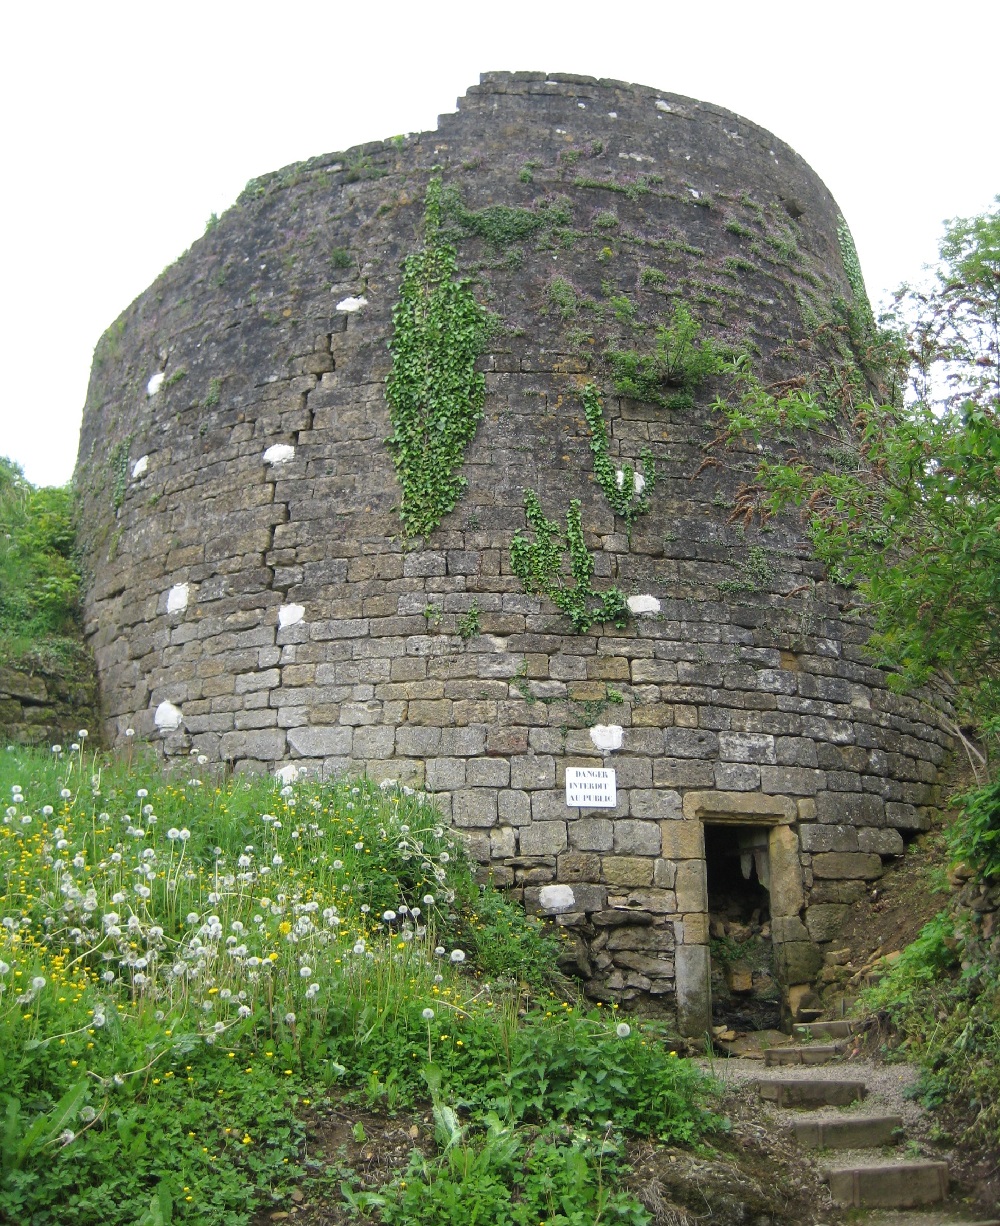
(39, 580)
(678, 364)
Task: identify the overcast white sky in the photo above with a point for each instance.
(125, 125)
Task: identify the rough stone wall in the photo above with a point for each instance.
(743, 692)
(45, 701)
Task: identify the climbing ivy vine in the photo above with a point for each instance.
(539, 566)
(435, 393)
(627, 493)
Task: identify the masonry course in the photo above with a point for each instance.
(746, 701)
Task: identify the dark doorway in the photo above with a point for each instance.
(745, 991)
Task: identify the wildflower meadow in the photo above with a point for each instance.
(190, 965)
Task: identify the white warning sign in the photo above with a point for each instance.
(590, 787)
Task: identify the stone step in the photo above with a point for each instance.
(899, 1186)
(835, 1028)
(812, 1053)
(811, 1093)
(856, 1132)
(949, 1215)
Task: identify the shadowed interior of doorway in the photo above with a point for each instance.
(745, 991)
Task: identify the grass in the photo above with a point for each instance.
(190, 964)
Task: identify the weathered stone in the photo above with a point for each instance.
(798, 962)
(634, 838)
(627, 870)
(727, 805)
(846, 865)
(786, 872)
(683, 840)
(691, 886)
(826, 920)
(542, 838)
(829, 838)
(592, 834)
(317, 742)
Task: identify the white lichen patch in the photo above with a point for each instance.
(637, 157)
(643, 604)
(155, 383)
(167, 717)
(290, 615)
(351, 304)
(280, 453)
(638, 480)
(140, 466)
(556, 898)
(607, 737)
(663, 106)
(612, 114)
(177, 598)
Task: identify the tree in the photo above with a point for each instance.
(905, 507)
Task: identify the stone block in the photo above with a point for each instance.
(637, 838)
(418, 742)
(903, 816)
(829, 838)
(445, 774)
(826, 920)
(798, 962)
(664, 874)
(755, 747)
(683, 840)
(373, 742)
(468, 742)
(786, 871)
(902, 1186)
(690, 743)
(654, 802)
(785, 928)
(487, 772)
(791, 780)
(645, 963)
(691, 886)
(627, 870)
(737, 777)
(503, 843)
(320, 742)
(692, 976)
(656, 902)
(542, 839)
(845, 865)
(474, 807)
(533, 771)
(592, 834)
(885, 842)
(578, 865)
(644, 938)
(264, 745)
(692, 929)
(850, 808)
(722, 806)
(514, 807)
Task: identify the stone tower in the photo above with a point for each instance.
(256, 596)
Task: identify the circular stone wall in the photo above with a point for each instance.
(254, 596)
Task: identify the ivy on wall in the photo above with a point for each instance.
(627, 496)
(539, 566)
(435, 393)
